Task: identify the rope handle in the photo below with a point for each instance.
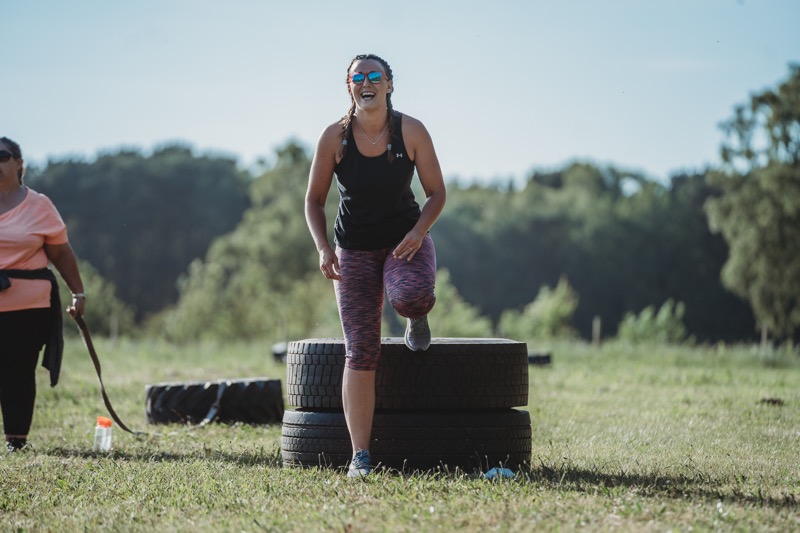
(87, 340)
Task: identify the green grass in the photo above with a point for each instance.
(624, 439)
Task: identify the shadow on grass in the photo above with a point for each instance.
(559, 478)
(594, 482)
(257, 457)
(699, 485)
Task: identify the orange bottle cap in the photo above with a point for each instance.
(103, 422)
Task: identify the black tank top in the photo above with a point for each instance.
(376, 206)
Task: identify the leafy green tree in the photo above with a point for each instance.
(452, 316)
(547, 317)
(656, 245)
(663, 326)
(624, 242)
(758, 208)
(140, 220)
(495, 243)
(261, 280)
(106, 314)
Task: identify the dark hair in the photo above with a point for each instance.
(347, 120)
(16, 152)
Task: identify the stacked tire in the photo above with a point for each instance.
(449, 407)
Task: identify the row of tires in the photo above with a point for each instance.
(451, 406)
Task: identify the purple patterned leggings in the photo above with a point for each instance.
(365, 275)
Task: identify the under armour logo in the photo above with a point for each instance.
(399, 155)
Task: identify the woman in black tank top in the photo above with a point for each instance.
(381, 234)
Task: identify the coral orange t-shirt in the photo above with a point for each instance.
(23, 233)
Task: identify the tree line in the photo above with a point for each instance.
(193, 246)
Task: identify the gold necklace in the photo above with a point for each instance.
(358, 123)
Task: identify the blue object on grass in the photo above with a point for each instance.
(499, 473)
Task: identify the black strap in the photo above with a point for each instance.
(54, 347)
(87, 340)
(214, 410)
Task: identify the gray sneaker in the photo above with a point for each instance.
(361, 465)
(418, 334)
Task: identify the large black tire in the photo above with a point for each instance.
(451, 374)
(412, 441)
(252, 401)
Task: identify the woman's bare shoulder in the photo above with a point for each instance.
(413, 128)
(331, 135)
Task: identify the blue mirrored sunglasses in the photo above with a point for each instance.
(373, 77)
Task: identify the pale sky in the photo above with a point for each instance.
(504, 87)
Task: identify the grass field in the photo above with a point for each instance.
(624, 439)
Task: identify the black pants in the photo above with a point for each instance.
(22, 335)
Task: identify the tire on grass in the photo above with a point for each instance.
(457, 373)
(251, 401)
(412, 441)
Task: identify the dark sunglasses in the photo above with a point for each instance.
(373, 77)
(5, 155)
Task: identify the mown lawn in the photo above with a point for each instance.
(624, 439)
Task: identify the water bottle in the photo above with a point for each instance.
(102, 435)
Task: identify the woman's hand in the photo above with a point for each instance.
(409, 246)
(329, 264)
(78, 306)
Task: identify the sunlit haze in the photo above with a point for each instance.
(504, 87)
